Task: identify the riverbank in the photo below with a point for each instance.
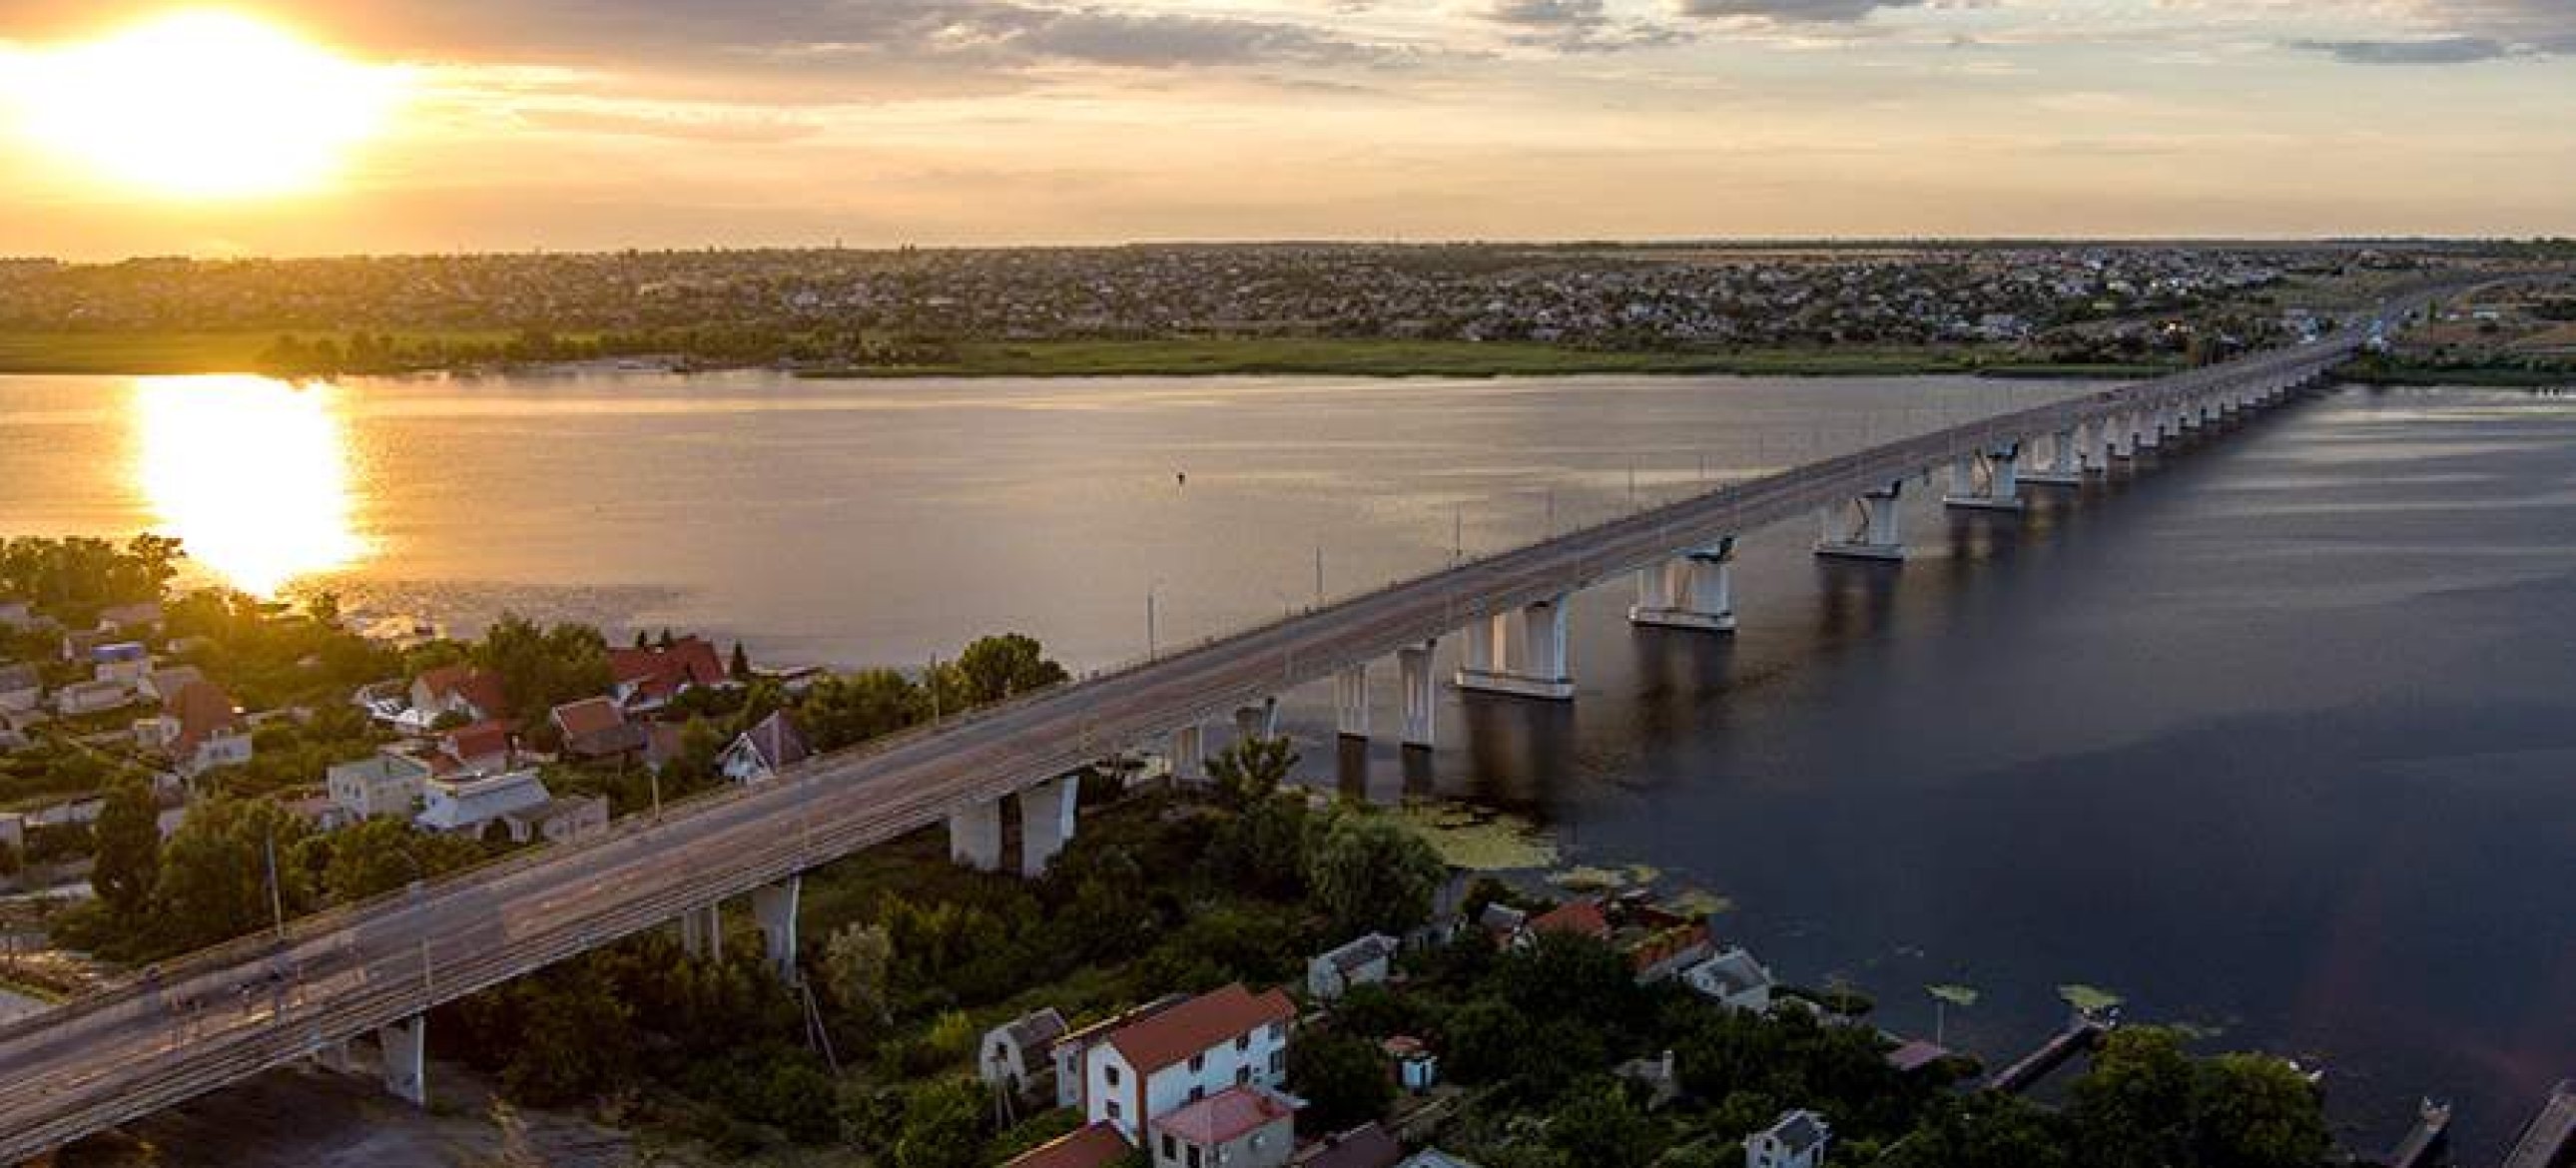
(180, 353)
(2378, 371)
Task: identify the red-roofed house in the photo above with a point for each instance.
(1581, 917)
(199, 729)
(1179, 1055)
(1249, 1126)
(1092, 1147)
(489, 747)
(595, 728)
(456, 689)
(647, 679)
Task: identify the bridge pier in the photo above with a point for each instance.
(1351, 701)
(1866, 529)
(1260, 721)
(1692, 591)
(1189, 756)
(774, 906)
(405, 1055)
(2065, 465)
(2116, 434)
(2151, 429)
(1046, 822)
(975, 836)
(1421, 693)
(1519, 653)
(702, 931)
(1988, 480)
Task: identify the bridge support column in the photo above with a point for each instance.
(2151, 429)
(1046, 822)
(702, 931)
(2119, 437)
(1865, 529)
(2189, 417)
(1261, 721)
(975, 836)
(774, 906)
(2065, 465)
(1189, 756)
(1987, 480)
(1421, 693)
(1351, 701)
(1519, 653)
(1693, 591)
(405, 1047)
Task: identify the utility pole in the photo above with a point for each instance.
(1319, 575)
(1149, 622)
(276, 897)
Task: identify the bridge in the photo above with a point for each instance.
(377, 968)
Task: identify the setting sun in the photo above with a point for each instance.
(202, 105)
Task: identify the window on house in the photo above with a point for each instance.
(1278, 1032)
(1243, 1042)
(1197, 1093)
(1171, 1147)
(1198, 1062)
(1112, 1106)
(1278, 1062)
(1194, 1156)
(1112, 1074)
(1242, 1075)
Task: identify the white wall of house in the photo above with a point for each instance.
(1261, 1058)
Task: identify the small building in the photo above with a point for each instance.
(646, 679)
(1020, 1054)
(139, 617)
(1070, 1053)
(198, 730)
(385, 784)
(1733, 979)
(1180, 1054)
(22, 688)
(484, 746)
(91, 697)
(463, 690)
(1368, 960)
(1365, 1146)
(17, 614)
(13, 830)
(1246, 1126)
(1416, 1069)
(1435, 1158)
(162, 684)
(121, 661)
(466, 804)
(1583, 918)
(1796, 1140)
(555, 821)
(758, 754)
(1502, 923)
(1096, 1146)
(594, 728)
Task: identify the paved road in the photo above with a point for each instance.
(232, 1012)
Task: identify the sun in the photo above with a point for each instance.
(203, 104)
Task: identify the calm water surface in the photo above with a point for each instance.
(2278, 739)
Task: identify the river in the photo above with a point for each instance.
(2275, 739)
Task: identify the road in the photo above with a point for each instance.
(229, 1013)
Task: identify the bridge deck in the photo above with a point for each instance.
(260, 1002)
(2550, 1140)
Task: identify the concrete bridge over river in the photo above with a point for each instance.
(377, 968)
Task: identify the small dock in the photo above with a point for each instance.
(2549, 1140)
(2083, 1032)
(2431, 1137)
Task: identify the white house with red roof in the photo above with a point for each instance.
(198, 729)
(1250, 1126)
(464, 690)
(1185, 1053)
(646, 679)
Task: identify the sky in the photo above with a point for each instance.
(590, 124)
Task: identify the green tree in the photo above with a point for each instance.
(1600, 1126)
(2133, 1108)
(216, 873)
(383, 854)
(1263, 850)
(541, 669)
(943, 1126)
(857, 962)
(1982, 1130)
(848, 709)
(1343, 1079)
(740, 665)
(1374, 874)
(128, 835)
(1250, 771)
(2255, 1111)
(992, 669)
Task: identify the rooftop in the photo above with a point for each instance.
(1171, 1035)
(1093, 1147)
(1226, 1116)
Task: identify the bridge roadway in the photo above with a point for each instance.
(228, 1013)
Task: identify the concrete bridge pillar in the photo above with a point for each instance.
(1257, 721)
(2151, 428)
(1351, 701)
(975, 836)
(702, 931)
(774, 906)
(1520, 652)
(405, 1047)
(2117, 436)
(1866, 528)
(1046, 822)
(1692, 591)
(1421, 693)
(1988, 480)
(2065, 465)
(1189, 756)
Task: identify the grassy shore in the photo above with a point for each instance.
(140, 354)
(2505, 376)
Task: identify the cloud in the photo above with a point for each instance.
(2451, 50)
(1793, 11)
(2464, 32)
(1575, 26)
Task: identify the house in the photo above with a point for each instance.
(1096, 1146)
(1365, 1146)
(160, 684)
(122, 661)
(1435, 1158)
(1582, 918)
(1733, 979)
(1071, 1052)
(387, 784)
(1796, 1140)
(484, 746)
(143, 616)
(13, 830)
(1020, 1052)
(1915, 1055)
(198, 730)
(1184, 1053)
(1368, 960)
(91, 697)
(1502, 923)
(17, 614)
(1246, 1126)
(78, 643)
(758, 754)
(1416, 1068)
(22, 688)
(557, 820)
(1658, 943)
(595, 728)
(663, 743)
(466, 804)
(463, 690)
(647, 679)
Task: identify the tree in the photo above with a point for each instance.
(992, 669)
(943, 1127)
(857, 962)
(1263, 850)
(2133, 1108)
(216, 872)
(2255, 1111)
(1251, 770)
(740, 665)
(383, 854)
(541, 669)
(1342, 1077)
(128, 835)
(847, 709)
(1374, 875)
(1601, 1126)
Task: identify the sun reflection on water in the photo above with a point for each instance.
(251, 474)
